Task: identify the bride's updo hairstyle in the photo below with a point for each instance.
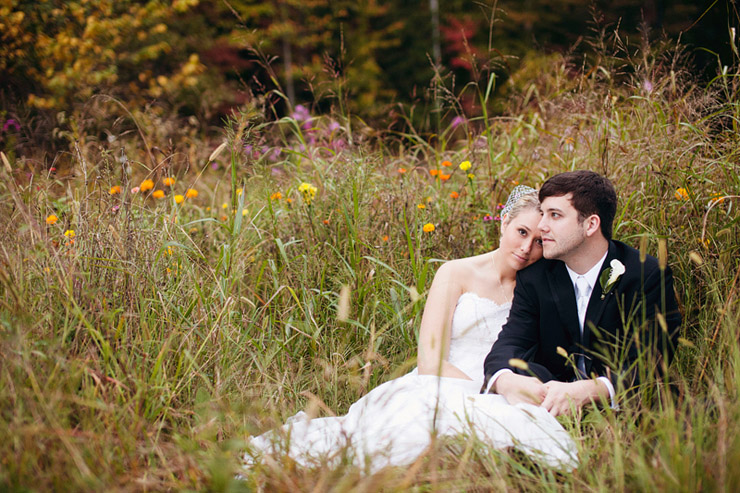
(520, 199)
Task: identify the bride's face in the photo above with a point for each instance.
(521, 242)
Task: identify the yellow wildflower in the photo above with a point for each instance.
(70, 233)
(224, 205)
(471, 176)
(308, 192)
(465, 165)
(421, 206)
(179, 198)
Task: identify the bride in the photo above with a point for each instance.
(397, 421)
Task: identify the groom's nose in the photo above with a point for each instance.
(542, 225)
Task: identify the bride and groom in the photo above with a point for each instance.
(534, 335)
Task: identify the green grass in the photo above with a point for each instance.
(143, 354)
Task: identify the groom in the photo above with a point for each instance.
(583, 315)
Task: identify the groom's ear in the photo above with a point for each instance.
(593, 224)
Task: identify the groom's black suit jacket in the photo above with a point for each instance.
(544, 317)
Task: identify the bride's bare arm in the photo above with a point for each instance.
(436, 324)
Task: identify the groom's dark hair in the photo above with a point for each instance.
(591, 194)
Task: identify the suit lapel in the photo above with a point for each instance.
(564, 297)
(596, 305)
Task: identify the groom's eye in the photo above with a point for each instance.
(539, 242)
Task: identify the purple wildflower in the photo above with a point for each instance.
(457, 121)
(487, 218)
(301, 113)
(11, 123)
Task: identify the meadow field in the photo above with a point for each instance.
(164, 297)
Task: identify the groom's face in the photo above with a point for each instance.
(562, 230)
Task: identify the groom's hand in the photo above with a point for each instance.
(562, 397)
(519, 388)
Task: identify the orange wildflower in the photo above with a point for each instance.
(444, 177)
(191, 193)
(115, 190)
(454, 195)
(276, 196)
(681, 194)
(179, 198)
(385, 238)
(428, 227)
(51, 219)
(158, 194)
(402, 170)
(421, 206)
(146, 185)
(434, 172)
(446, 164)
(169, 181)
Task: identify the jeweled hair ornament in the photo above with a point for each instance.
(518, 192)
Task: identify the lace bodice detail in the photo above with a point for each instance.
(476, 324)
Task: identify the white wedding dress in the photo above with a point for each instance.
(394, 423)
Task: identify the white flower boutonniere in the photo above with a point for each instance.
(610, 276)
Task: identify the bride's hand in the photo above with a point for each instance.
(519, 388)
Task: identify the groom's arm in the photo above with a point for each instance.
(519, 339)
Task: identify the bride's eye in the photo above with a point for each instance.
(522, 232)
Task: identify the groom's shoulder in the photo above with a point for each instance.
(631, 256)
(538, 270)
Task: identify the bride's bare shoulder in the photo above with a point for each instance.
(463, 268)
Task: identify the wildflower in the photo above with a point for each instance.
(717, 198)
(705, 243)
(289, 200)
(471, 176)
(245, 212)
(569, 144)
(434, 172)
(487, 218)
(514, 182)
(326, 221)
(179, 198)
(421, 206)
(385, 237)
(454, 195)
(402, 170)
(239, 191)
(11, 123)
(70, 233)
(308, 192)
(135, 190)
(51, 219)
(465, 165)
(276, 196)
(428, 227)
(444, 177)
(497, 218)
(169, 181)
(457, 121)
(446, 164)
(224, 205)
(146, 185)
(224, 218)
(191, 193)
(499, 206)
(115, 190)
(681, 194)
(158, 194)
(647, 86)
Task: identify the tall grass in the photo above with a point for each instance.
(141, 353)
